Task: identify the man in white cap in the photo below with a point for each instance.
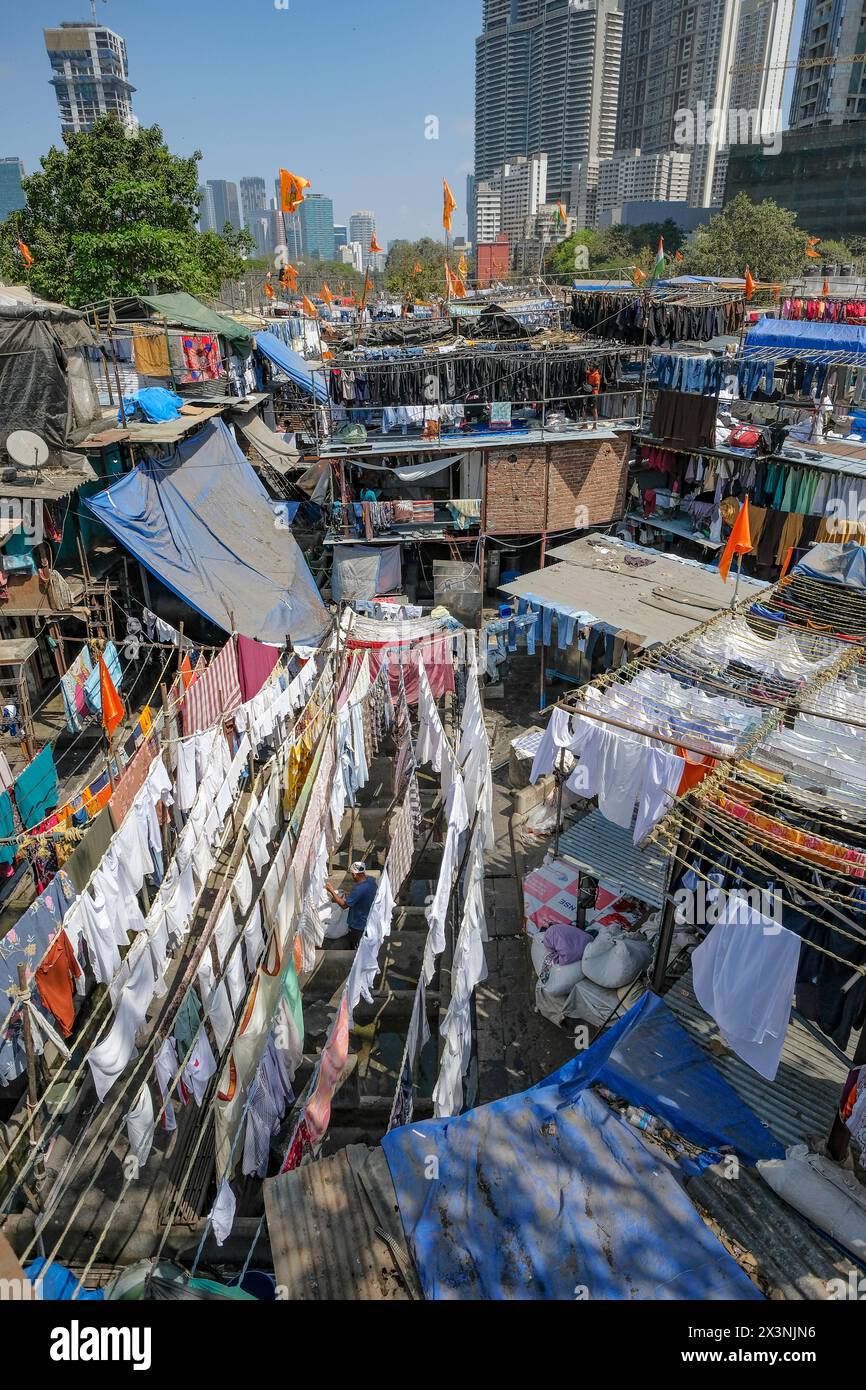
(358, 902)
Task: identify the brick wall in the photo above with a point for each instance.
(589, 474)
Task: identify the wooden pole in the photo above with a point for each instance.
(34, 1121)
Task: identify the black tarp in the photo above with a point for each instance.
(34, 387)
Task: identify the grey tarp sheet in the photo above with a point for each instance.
(201, 521)
(361, 571)
(278, 450)
(410, 473)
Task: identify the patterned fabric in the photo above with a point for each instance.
(215, 694)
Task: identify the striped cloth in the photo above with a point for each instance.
(215, 694)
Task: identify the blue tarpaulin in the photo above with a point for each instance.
(830, 342)
(293, 364)
(547, 1191)
(202, 522)
(835, 564)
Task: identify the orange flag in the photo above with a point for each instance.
(186, 671)
(291, 191)
(25, 254)
(289, 278)
(269, 289)
(375, 248)
(750, 285)
(811, 243)
(368, 285)
(638, 276)
(825, 288)
(462, 267)
(417, 268)
(450, 205)
(739, 541)
(309, 308)
(112, 707)
(326, 293)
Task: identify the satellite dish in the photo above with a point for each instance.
(27, 449)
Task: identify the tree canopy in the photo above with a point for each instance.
(430, 255)
(613, 248)
(763, 236)
(114, 214)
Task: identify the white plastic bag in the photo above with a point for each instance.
(614, 961)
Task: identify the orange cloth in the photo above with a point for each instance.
(291, 191)
(186, 671)
(375, 248)
(739, 541)
(695, 770)
(110, 701)
(269, 290)
(309, 308)
(326, 293)
(450, 205)
(25, 254)
(54, 977)
(750, 284)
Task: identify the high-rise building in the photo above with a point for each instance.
(353, 255)
(827, 93)
(254, 214)
(341, 236)
(316, 215)
(362, 228)
(487, 199)
(254, 200)
(641, 178)
(11, 193)
(523, 189)
(206, 211)
(683, 63)
(225, 203)
(546, 78)
(90, 76)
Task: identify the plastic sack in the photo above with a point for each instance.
(827, 1195)
(591, 1002)
(556, 980)
(614, 961)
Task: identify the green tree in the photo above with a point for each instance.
(401, 278)
(763, 236)
(116, 214)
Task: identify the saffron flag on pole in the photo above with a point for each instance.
(291, 191)
(326, 293)
(449, 206)
(811, 243)
(739, 541)
(25, 254)
(825, 288)
(289, 278)
(375, 248)
(269, 289)
(638, 276)
(749, 288)
(462, 268)
(417, 268)
(309, 308)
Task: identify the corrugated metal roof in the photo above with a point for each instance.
(609, 854)
(652, 599)
(803, 1098)
(791, 1259)
(322, 1222)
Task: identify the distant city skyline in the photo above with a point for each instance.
(363, 150)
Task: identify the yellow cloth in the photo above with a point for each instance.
(150, 354)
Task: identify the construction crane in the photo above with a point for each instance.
(93, 10)
(802, 63)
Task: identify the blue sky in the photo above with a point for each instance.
(335, 90)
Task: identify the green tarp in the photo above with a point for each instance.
(189, 312)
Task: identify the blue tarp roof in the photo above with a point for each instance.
(292, 363)
(820, 342)
(202, 522)
(546, 1191)
(835, 564)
